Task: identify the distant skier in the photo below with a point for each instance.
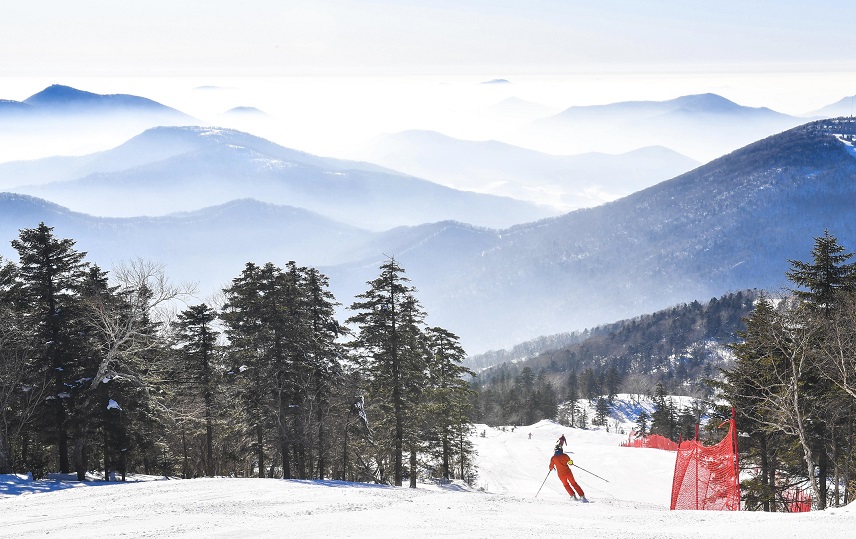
(530, 435)
(561, 441)
(562, 463)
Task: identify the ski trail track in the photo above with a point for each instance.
(510, 463)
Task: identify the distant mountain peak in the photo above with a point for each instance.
(58, 98)
(705, 99)
(245, 111)
(60, 93)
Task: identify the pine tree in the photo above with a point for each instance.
(745, 385)
(50, 272)
(601, 411)
(449, 392)
(662, 418)
(196, 340)
(22, 390)
(388, 318)
(827, 280)
(573, 396)
(324, 356)
(826, 276)
(642, 421)
(251, 342)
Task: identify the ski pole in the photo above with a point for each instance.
(542, 483)
(588, 472)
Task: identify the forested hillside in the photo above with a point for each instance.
(677, 348)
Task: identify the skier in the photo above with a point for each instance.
(561, 441)
(562, 463)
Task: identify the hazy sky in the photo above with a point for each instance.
(276, 37)
(333, 74)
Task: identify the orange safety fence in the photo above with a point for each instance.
(654, 441)
(707, 478)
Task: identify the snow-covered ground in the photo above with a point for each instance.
(631, 502)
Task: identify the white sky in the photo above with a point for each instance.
(276, 37)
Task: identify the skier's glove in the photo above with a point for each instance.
(570, 462)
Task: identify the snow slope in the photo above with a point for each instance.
(632, 504)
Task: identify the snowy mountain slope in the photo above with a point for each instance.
(632, 504)
(732, 224)
(704, 126)
(156, 145)
(181, 169)
(566, 182)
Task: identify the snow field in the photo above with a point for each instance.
(633, 504)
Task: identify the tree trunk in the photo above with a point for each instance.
(209, 436)
(80, 458)
(322, 451)
(260, 451)
(413, 465)
(185, 472)
(345, 452)
(286, 461)
(772, 482)
(283, 435)
(808, 455)
(461, 451)
(446, 455)
(765, 473)
(823, 473)
(398, 407)
(5, 454)
(321, 448)
(62, 434)
(301, 459)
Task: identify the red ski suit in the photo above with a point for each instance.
(566, 476)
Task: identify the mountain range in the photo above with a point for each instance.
(61, 120)
(58, 100)
(703, 127)
(565, 182)
(172, 169)
(217, 198)
(731, 224)
(843, 107)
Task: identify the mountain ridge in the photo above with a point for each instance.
(731, 224)
(195, 167)
(566, 182)
(702, 126)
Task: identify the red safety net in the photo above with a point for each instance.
(654, 441)
(797, 500)
(707, 477)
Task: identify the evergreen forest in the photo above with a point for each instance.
(124, 372)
